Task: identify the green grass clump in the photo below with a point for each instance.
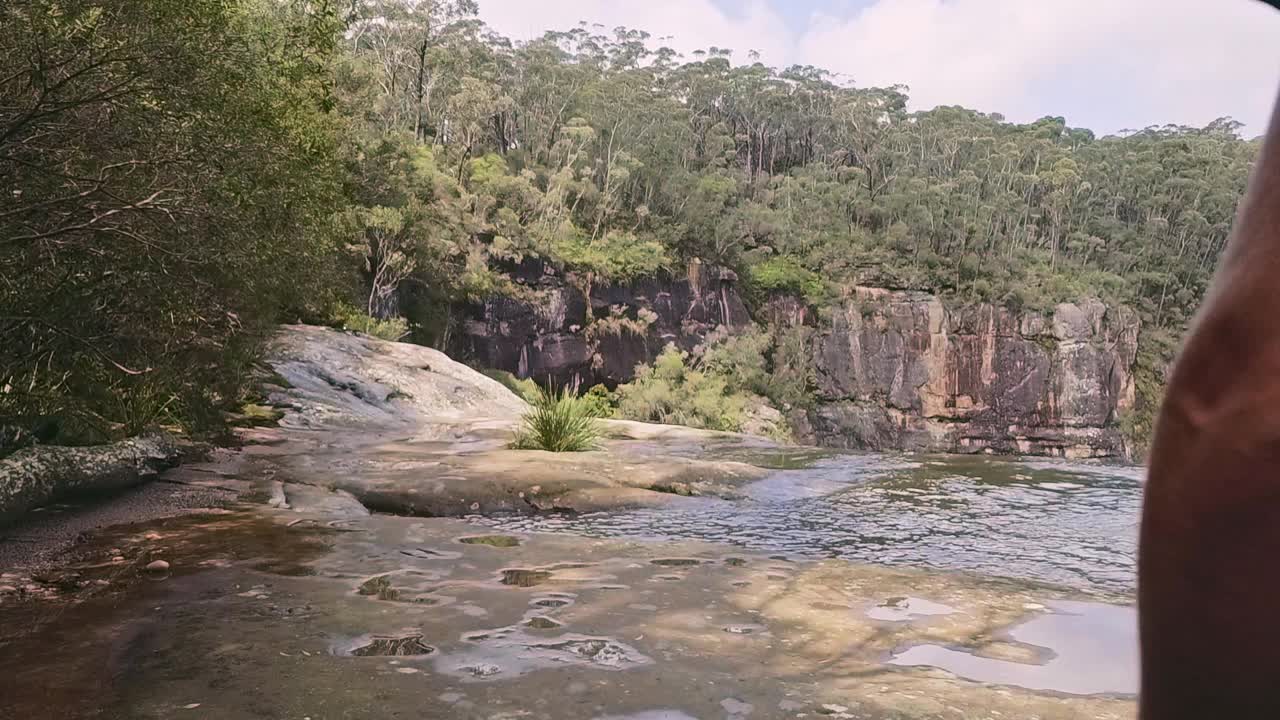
(558, 422)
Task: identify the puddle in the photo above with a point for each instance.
(379, 587)
(550, 602)
(539, 622)
(525, 578)
(429, 554)
(650, 715)
(744, 629)
(386, 646)
(511, 653)
(903, 609)
(1093, 652)
(285, 568)
(676, 562)
(497, 541)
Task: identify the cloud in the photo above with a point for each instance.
(1104, 64)
(683, 25)
(1108, 64)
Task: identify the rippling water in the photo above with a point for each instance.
(1066, 523)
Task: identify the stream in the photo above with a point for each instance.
(1064, 523)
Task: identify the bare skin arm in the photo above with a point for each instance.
(1209, 558)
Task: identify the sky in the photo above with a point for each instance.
(1107, 65)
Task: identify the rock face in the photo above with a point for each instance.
(571, 332)
(893, 370)
(346, 380)
(899, 370)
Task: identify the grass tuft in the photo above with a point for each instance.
(558, 422)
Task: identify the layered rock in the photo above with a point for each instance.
(894, 370)
(568, 330)
(901, 370)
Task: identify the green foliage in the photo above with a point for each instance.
(618, 161)
(785, 274)
(618, 257)
(600, 402)
(166, 180)
(673, 393)
(525, 389)
(348, 317)
(558, 422)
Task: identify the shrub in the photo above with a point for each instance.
(600, 402)
(673, 393)
(558, 422)
(348, 317)
(783, 273)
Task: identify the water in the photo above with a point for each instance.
(1066, 523)
(1092, 646)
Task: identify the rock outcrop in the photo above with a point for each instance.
(40, 474)
(894, 370)
(401, 428)
(570, 331)
(901, 370)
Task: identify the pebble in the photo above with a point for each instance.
(157, 566)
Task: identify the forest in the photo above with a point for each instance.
(178, 176)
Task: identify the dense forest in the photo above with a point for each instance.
(177, 176)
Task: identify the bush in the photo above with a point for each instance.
(348, 317)
(783, 273)
(601, 402)
(672, 393)
(558, 422)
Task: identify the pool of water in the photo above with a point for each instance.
(1091, 646)
(1061, 522)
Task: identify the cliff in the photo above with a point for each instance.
(891, 369)
(901, 370)
(571, 331)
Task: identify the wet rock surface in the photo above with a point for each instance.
(299, 597)
(594, 638)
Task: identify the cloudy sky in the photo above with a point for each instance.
(1103, 64)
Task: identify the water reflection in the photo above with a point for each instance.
(1067, 523)
(1093, 648)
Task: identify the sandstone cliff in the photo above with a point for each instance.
(891, 369)
(595, 333)
(901, 370)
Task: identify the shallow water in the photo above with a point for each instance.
(1061, 522)
(1092, 647)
